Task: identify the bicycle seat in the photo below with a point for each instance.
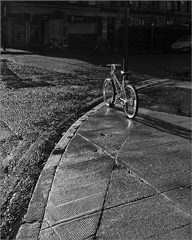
(125, 73)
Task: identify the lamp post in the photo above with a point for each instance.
(5, 23)
(125, 37)
(152, 26)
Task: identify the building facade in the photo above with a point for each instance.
(69, 24)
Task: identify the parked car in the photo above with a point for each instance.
(182, 44)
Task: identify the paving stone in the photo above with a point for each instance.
(48, 234)
(78, 189)
(60, 195)
(79, 229)
(109, 139)
(181, 196)
(142, 219)
(148, 137)
(90, 174)
(165, 167)
(125, 187)
(104, 118)
(73, 209)
(183, 233)
(80, 150)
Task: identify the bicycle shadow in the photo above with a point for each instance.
(164, 126)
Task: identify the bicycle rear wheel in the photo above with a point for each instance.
(109, 92)
(131, 101)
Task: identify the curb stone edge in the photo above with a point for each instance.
(30, 228)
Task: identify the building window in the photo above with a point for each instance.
(18, 32)
(141, 22)
(177, 6)
(37, 33)
(169, 5)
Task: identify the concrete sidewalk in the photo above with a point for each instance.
(114, 178)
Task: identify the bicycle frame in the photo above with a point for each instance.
(117, 84)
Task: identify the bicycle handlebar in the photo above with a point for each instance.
(113, 66)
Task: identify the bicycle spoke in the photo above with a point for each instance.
(131, 101)
(108, 92)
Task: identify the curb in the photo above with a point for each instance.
(15, 51)
(33, 219)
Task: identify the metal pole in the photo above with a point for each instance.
(152, 38)
(125, 38)
(5, 22)
(4, 39)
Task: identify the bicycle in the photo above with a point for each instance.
(113, 90)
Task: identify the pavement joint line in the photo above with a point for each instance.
(47, 224)
(176, 204)
(104, 151)
(85, 175)
(104, 201)
(77, 217)
(83, 185)
(103, 128)
(156, 145)
(87, 161)
(76, 200)
(55, 233)
(137, 174)
(180, 187)
(163, 233)
(130, 202)
(69, 220)
(123, 145)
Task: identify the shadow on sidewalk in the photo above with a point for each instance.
(164, 126)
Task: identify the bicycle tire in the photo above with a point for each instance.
(131, 101)
(108, 92)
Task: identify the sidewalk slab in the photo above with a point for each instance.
(108, 130)
(166, 166)
(135, 210)
(148, 218)
(81, 228)
(146, 196)
(78, 190)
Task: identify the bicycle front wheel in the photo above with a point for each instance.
(131, 101)
(109, 92)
